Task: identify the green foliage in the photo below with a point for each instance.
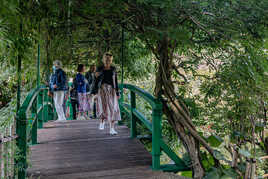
(214, 140)
(8, 86)
(235, 95)
(219, 173)
(228, 37)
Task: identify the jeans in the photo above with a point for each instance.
(94, 110)
(74, 106)
(58, 97)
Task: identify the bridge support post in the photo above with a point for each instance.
(133, 117)
(34, 131)
(35, 123)
(156, 136)
(40, 109)
(46, 101)
(21, 162)
(121, 100)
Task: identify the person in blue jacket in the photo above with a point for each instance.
(58, 85)
(83, 104)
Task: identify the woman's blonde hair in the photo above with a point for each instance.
(104, 56)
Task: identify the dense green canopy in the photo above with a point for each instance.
(208, 58)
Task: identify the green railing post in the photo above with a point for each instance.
(121, 100)
(156, 136)
(33, 103)
(34, 132)
(21, 142)
(43, 106)
(38, 66)
(21, 162)
(34, 124)
(155, 127)
(133, 117)
(40, 109)
(46, 108)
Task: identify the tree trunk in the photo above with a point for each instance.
(48, 63)
(175, 110)
(266, 145)
(190, 143)
(248, 170)
(234, 158)
(47, 68)
(253, 170)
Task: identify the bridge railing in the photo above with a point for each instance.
(36, 109)
(154, 126)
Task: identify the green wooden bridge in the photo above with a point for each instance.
(77, 149)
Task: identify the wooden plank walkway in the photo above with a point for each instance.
(78, 150)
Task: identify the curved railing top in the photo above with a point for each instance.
(153, 101)
(30, 98)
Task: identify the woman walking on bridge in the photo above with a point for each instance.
(83, 105)
(108, 94)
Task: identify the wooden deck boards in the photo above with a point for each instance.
(78, 150)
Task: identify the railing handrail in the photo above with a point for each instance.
(153, 101)
(154, 127)
(41, 98)
(29, 99)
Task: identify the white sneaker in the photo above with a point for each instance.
(101, 127)
(59, 120)
(112, 131)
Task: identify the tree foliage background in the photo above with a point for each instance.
(206, 59)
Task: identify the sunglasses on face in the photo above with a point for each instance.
(110, 55)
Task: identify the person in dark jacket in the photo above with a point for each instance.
(91, 79)
(81, 90)
(74, 98)
(58, 85)
(108, 94)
